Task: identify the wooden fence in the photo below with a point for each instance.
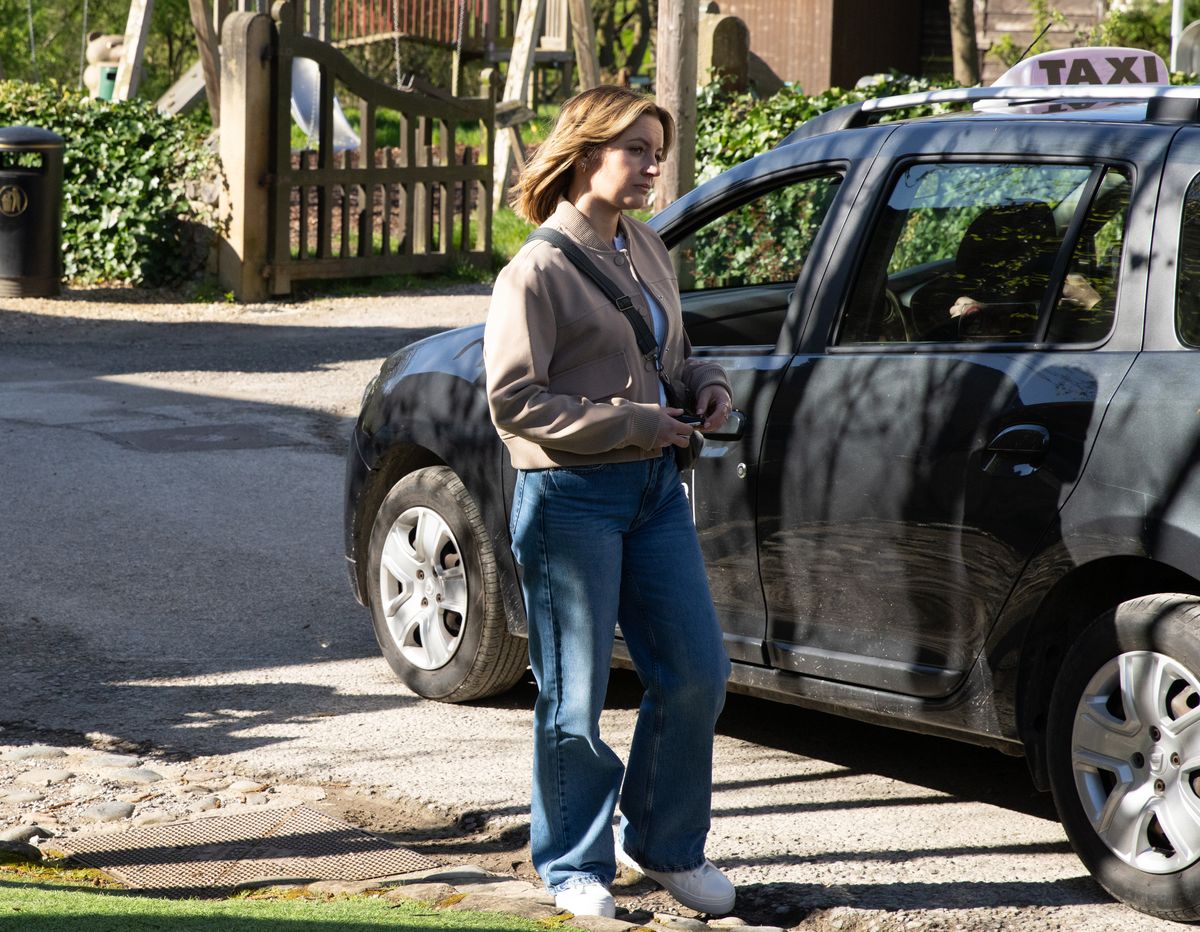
(417, 203)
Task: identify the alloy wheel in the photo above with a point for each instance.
(1135, 753)
(424, 587)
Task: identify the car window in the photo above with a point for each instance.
(967, 252)
(764, 241)
(1087, 301)
(1187, 291)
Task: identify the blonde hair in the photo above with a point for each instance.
(586, 122)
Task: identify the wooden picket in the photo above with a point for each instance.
(422, 206)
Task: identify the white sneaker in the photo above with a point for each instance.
(704, 888)
(587, 899)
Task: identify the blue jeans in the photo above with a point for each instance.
(598, 546)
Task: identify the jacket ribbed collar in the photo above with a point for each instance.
(572, 221)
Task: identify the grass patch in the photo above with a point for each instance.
(508, 234)
(36, 898)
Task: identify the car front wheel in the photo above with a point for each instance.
(434, 593)
(1124, 753)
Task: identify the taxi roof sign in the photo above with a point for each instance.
(1102, 66)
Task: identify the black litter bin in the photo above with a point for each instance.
(31, 184)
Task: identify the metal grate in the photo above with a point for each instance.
(223, 852)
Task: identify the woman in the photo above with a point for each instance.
(600, 524)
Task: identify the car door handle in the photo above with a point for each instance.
(1017, 451)
(1031, 440)
(732, 429)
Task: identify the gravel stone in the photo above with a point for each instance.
(599, 924)
(206, 803)
(523, 906)
(678, 922)
(44, 777)
(111, 761)
(203, 776)
(501, 887)
(18, 797)
(34, 752)
(425, 892)
(344, 886)
(463, 873)
(139, 775)
(246, 786)
(20, 849)
(107, 812)
(85, 790)
(25, 833)
(152, 818)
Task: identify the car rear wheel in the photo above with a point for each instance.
(434, 593)
(1124, 753)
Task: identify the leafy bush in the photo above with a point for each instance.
(1142, 24)
(126, 213)
(731, 128)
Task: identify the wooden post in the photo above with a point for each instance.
(129, 71)
(675, 67)
(245, 153)
(516, 87)
(210, 56)
(583, 31)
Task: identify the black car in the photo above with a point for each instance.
(961, 493)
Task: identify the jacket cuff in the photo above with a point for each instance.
(643, 424)
(709, 374)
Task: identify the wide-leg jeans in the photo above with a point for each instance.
(600, 546)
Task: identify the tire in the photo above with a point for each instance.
(1124, 753)
(434, 592)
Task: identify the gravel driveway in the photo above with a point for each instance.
(171, 476)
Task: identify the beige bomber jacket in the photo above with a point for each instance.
(566, 383)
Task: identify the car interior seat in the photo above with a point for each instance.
(1003, 262)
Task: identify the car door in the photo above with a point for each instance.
(951, 377)
(746, 249)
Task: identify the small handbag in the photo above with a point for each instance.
(685, 457)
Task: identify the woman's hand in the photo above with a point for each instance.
(672, 433)
(965, 306)
(715, 405)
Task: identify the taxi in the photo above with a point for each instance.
(960, 494)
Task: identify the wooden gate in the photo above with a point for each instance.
(384, 187)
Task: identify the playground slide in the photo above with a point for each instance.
(306, 106)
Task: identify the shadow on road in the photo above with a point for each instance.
(961, 771)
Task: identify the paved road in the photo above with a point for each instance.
(171, 484)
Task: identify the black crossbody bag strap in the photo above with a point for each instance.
(647, 345)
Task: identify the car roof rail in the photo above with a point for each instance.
(1175, 103)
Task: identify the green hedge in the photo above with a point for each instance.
(127, 168)
(731, 128)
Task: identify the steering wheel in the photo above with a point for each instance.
(896, 315)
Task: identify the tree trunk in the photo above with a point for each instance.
(637, 54)
(964, 48)
(675, 67)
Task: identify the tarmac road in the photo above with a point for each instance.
(171, 480)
